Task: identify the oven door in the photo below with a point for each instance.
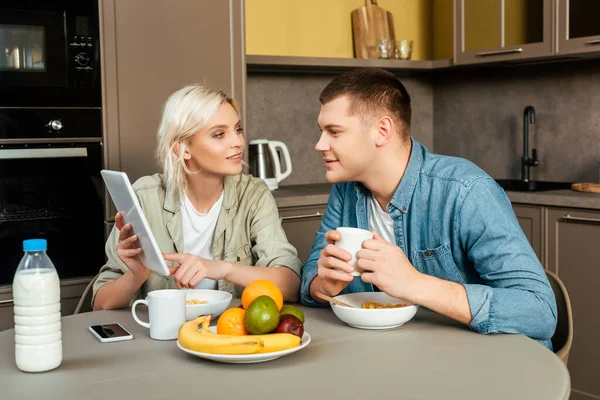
(33, 49)
(55, 192)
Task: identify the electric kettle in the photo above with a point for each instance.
(265, 162)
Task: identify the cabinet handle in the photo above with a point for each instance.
(570, 218)
(595, 41)
(9, 301)
(304, 216)
(499, 52)
(11, 154)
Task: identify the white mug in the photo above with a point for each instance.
(166, 313)
(351, 241)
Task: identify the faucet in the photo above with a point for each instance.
(526, 162)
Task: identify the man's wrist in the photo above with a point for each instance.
(420, 288)
(315, 286)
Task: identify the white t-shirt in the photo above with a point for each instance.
(199, 232)
(381, 221)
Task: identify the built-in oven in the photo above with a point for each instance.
(49, 53)
(51, 188)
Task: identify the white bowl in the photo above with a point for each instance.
(217, 302)
(383, 318)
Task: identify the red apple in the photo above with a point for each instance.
(290, 324)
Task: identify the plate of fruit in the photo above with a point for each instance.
(261, 329)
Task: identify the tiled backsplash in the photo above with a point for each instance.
(286, 107)
(475, 113)
(478, 115)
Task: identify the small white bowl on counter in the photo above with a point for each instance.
(217, 302)
(380, 318)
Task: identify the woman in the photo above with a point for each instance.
(220, 226)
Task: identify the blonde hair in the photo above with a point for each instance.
(184, 113)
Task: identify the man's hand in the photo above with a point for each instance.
(334, 272)
(386, 266)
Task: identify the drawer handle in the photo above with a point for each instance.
(304, 216)
(9, 301)
(595, 41)
(499, 52)
(570, 218)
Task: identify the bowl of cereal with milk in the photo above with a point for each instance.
(205, 301)
(373, 310)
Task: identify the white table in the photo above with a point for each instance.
(430, 357)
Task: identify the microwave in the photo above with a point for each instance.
(49, 53)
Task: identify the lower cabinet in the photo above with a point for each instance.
(300, 225)
(70, 293)
(572, 237)
(531, 219)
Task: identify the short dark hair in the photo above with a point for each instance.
(372, 90)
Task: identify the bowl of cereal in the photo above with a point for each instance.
(373, 310)
(205, 301)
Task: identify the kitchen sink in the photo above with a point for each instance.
(517, 185)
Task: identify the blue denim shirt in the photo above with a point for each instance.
(454, 222)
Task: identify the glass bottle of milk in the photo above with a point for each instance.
(36, 294)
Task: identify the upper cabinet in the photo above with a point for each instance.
(578, 27)
(455, 31)
(150, 49)
(500, 30)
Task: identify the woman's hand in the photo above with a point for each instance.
(128, 249)
(192, 269)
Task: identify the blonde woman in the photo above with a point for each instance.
(219, 225)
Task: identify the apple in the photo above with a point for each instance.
(290, 324)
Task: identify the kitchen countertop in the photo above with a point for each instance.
(302, 195)
(557, 198)
(315, 194)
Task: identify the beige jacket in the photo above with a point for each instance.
(248, 230)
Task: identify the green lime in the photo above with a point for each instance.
(262, 316)
(295, 311)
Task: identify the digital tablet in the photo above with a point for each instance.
(127, 203)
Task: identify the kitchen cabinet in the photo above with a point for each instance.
(572, 239)
(70, 293)
(531, 219)
(502, 30)
(300, 225)
(150, 49)
(578, 27)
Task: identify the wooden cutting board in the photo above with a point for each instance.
(586, 187)
(370, 25)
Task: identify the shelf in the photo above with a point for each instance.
(256, 63)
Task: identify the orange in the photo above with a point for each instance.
(231, 322)
(262, 287)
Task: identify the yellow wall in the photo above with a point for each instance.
(322, 28)
(443, 29)
(482, 24)
(515, 16)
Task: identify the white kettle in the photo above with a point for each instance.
(265, 162)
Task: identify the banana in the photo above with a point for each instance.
(278, 341)
(207, 342)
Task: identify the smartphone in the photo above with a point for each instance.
(110, 333)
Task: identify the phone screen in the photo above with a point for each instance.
(110, 331)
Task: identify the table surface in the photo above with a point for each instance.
(430, 357)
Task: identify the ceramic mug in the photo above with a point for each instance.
(166, 313)
(351, 241)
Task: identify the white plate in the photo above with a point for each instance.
(246, 358)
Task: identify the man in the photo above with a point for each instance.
(445, 233)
